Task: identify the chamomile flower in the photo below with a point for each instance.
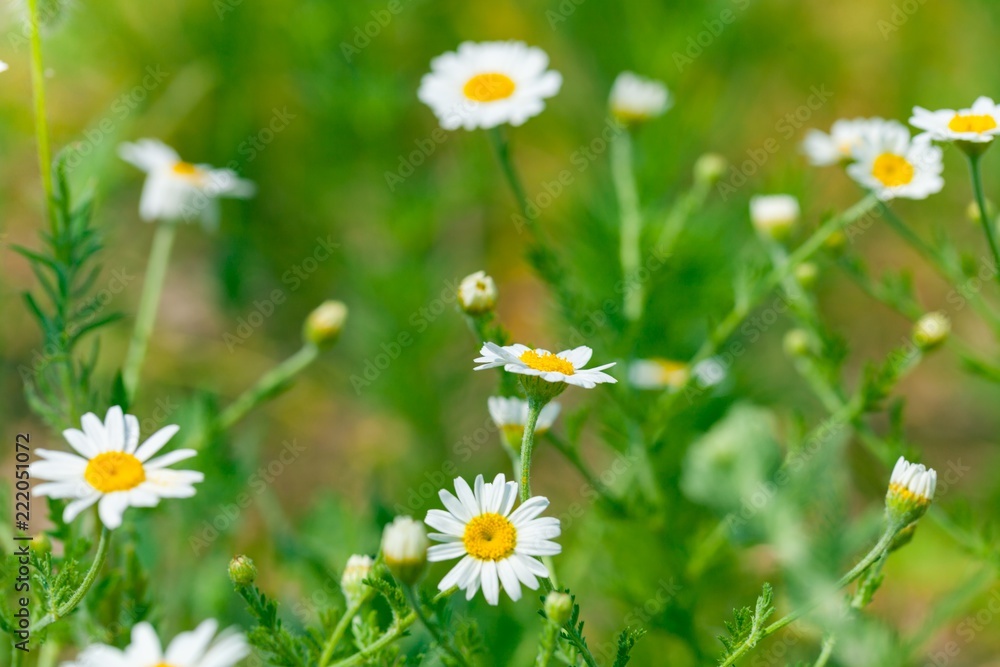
(566, 366)
(978, 124)
(635, 99)
(477, 293)
(892, 165)
(845, 136)
(486, 84)
(774, 215)
(658, 373)
(113, 470)
(511, 414)
(178, 190)
(497, 546)
(201, 647)
(911, 490)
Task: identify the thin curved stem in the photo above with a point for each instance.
(411, 595)
(81, 592)
(630, 229)
(159, 258)
(339, 630)
(394, 632)
(527, 445)
(984, 217)
(267, 385)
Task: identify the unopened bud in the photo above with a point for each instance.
(558, 607)
(324, 324)
(352, 581)
(242, 571)
(404, 547)
(797, 343)
(774, 216)
(806, 275)
(477, 293)
(911, 490)
(972, 211)
(931, 331)
(709, 168)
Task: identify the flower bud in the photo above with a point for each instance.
(635, 99)
(41, 543)
(352, 581)
(477, 294)
(709, 168)
(806, 275)
(836, 242)
(911, 490)
(404, 547)
(774, 216)
(558, 607)
(242, 571)
(931, 331)
(324, 324)
(972, 211)
(797, 343)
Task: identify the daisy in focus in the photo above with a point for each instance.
(511, 414)
(112, 469)
(177, 190)
(977, 124)
(566, 366)
(891, 165)
(486, 84)
(497, 547)
(635, 99)
(911, 490)
(846, 135)
(199, 648)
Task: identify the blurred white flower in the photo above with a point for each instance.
(892, 165)
(511, 414)
(497, 547)
(978, 124)
(404, 547)
(198, 648)
(477, 293)
(635, 98)
(486, 84)
(352, 581)
(657, 373)
(774, 215)
(566, 366)
(4, 66)
(845, 136)
(177, 190)
(113, 469)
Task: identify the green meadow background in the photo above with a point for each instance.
(362, 199)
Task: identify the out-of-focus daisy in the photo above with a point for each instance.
(4, 66)
(657, 373)
(178, 190)
(566, 366)
(198, 648)
(497, 546)
(774, 215)
(482, 85)
(845, 136)
(113, 470)
(511, 414)
(635, 99)
(892, 165)
(477, 293)
(978, 124)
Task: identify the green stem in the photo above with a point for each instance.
(394, 632)
(88, 581)
(502, 148)
(411, 595)
(535, 406)
(826, 652)
(338, 632)
(984, 217)
(547, 644)
(159, 258)
(267, 385)
(41, 126)
(630, 228)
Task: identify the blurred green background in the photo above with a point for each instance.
(300, 100)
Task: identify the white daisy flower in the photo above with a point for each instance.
(658, 373)
(497, 546)
(566, 366)
(845, 136)
(198, 648)
(635, 98)
(774, 215)
(892, 165)
(477, 293)
(178, 190)
(482, 85)
(913, 481)
(978, 124)
(113, 470)
(511, 414)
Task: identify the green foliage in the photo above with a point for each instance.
(747, 626)
(626, 642)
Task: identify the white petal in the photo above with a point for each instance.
(155, 442)
(491, 583)
(111, 508)
(509, 579)
(448, 551)
(169, 459)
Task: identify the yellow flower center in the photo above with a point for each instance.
(489, 87)
(114, 471)
(547, 362)
(892, 170)
(673, 373)
(490, 537)
(977, 123)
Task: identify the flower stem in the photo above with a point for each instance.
(547, 643)
(411, 595)
(41, 126)
(159, 257)
(984, 217)
(535, 406)
(338, 632)
(394, 632)
(630, 228)
(88, 581)
(502, 148)
(269, 384)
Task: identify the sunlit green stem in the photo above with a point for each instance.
(81, 592)
(338, 632)
(41, 125)
(535, 406)
(432, 627)
(825, 652)
(630, 226)
(269, 383)
(159, 258)
(396, 630)
(502, 148)
(984, 217)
